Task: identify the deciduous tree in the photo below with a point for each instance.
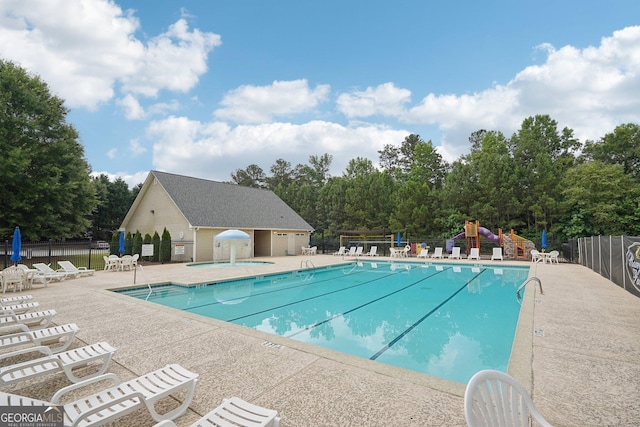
(46, 188)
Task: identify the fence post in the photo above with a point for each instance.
(623, 255)
(90, 245)
(6, 251)
(50, 245)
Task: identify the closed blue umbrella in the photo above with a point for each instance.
(16, 246)
(121, 243)
(399, 242)
(543, 245)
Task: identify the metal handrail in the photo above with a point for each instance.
(525, 283)
(306, 263)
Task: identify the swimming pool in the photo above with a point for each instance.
(444, 320)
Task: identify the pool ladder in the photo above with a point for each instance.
(525, 283)
(145, 278)
(306, 263)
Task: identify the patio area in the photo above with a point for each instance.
(578, 346)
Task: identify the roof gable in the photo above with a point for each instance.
(206, 203)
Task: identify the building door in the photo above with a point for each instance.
(291, 243)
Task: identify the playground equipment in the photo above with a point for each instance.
(472, 232)
(514, 246)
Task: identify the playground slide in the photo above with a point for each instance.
(485, 232)
(489, 235)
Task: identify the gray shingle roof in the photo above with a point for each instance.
(208, 203)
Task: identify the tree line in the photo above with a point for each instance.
(539, 178)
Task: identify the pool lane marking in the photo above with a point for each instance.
(300, 285)
(335, 316)
(423, 318)
(309, 298)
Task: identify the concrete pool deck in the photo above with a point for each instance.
(578, 348)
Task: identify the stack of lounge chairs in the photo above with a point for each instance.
(25, 330)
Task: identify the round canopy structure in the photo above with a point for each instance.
(233, 237)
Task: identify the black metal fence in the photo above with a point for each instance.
(616, 258)
(82, 253)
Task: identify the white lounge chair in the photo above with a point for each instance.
(437, 253)
(33, 319)
(15, 300)
(72, 270)
(20, 308)
(474, 253)
(373, 251)
(341, 251)
(359, 251)
(394, 253)
(121, 399)
(49, 273)
(235, 412)
(352, 251)
(424, 253)
(455, 253)
(497, 254)
(21, 335)
(52, 363)
(493, 398)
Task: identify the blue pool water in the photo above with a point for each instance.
(445, 320)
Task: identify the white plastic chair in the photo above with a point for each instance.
(474, 254)
(120, 399)
(50, 363)
(424, 253)
(12, 277)
(341, 251)
(235, 412)
(536, 256)
(553, 256)
(497, 254)
(494, 399)
(372, 252)
(455, 253)
(437, 253)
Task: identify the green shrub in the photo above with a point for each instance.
(165, 246)
(156, 247)
(115, 242)
(137, 243)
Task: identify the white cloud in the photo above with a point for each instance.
(589, 90)
(259, 104)
(136, 148)
(215, 149)
(112, 153)
(385, 99)
(174, 60)
(131, 179)
(132, 108)
(84, 48)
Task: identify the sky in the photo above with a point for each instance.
(205, 87)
